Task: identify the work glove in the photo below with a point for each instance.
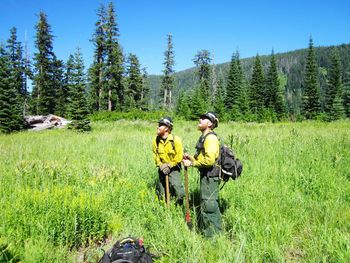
(165, 168)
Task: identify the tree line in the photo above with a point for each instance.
(117, 82)
(263, 95)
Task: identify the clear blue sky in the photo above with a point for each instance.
(221, 27)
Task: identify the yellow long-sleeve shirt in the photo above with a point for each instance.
(165, 152)
(209, 154)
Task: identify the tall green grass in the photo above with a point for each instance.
(65, 194)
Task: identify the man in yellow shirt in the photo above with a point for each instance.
(207, 153)
(168, 154)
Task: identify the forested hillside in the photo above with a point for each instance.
(290, 65)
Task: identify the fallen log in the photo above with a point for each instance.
(42, 122)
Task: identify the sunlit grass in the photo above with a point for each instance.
(62, 193)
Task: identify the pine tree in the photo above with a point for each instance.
(273, 97)
(202, 61)
(16, 79)
(168, 83)
(257, 87)
(15, 51)
(311, 98)
(114, 62)
(235, 100)
(198, 103)
(334, 88)
(214, 83)
(219, 105)
(28, 74)
(183, 109)
(346, 92)
(145, 91)
(233, 85)
(337, 111)
(98, 68)
(77, 110)
(58, 79)
(10, 115)
(63, 94)
(44, 86)
(134, 83)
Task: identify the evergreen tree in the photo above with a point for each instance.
(167, 85)
(44, 84)
(337, 110)
(97, 70)
(63, 94)
(58, 79)
(235, 100)
(202, 61)
(346, 92)
(183, 109)
(311, 97)
(273, 97)
(233, 85)
(77, 110)
(257, 87)
(145, 91)
(219, 105)
(214, 83)
(198, 102)
(134, 83)
(16, 79)
(28, 74)
(334, 88)
(114, 62)
(17, 65)
(10, 112)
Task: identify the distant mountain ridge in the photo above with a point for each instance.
(290, 64)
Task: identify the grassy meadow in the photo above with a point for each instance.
(65, 195)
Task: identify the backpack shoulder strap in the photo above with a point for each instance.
(171, 141)
(200, 143)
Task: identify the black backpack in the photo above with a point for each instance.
(127, 250)
(230, 166)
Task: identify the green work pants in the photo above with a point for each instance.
(210, 217)
(175, 185)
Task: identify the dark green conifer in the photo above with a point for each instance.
(198, 102)
(145, 91)
(311, 98)
(236, 99)
(168, 82)
(233, 84)
(10, 114)
(16, 79)
(44, 85)
(346, 92)
(77, 110)
(273, 97)
(134, 82)
(97, 71)
(15, 52)
(59, 80)
(257, 87)
(334, 88)
(202, 61)
(114, 62)
(183, 109)
(219, 105)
